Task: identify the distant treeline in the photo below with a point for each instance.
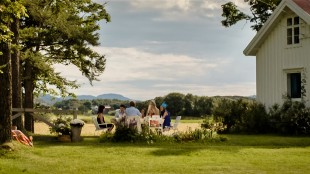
(178, 104)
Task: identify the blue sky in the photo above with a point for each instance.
(154, 47)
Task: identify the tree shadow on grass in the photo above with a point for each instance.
(177, 150)
(47, 140)
(235, 144)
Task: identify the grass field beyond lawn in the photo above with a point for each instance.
(240, 154)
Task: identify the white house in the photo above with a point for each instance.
(282, 50)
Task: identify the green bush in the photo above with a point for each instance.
(242, 116)
(125, 134)
(292, 118)
(209, 124)
(197, 135)
(254, 119)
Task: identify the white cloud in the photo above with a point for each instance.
(132, 64)
(143, 75)
(182, 5)
(146, 59)
(185, 10)
(241, 4)
(211, 5)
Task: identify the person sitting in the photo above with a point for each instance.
(132, 110)
(142, 112)
(165, 114)
(133, 116)
(152, 109)
(120, 115)
(100, 119)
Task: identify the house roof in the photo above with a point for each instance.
(300, 7)
(304, 4)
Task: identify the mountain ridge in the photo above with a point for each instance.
(48, 99)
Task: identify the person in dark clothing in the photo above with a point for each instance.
(100, 119)
(165, 114)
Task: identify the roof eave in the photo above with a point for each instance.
(253, 47)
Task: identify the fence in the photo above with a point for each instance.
(35, 113)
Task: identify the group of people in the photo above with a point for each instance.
(122, 113)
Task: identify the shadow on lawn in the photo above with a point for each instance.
(177, 150)
(46, 140)
(160, 149)
(234, 144)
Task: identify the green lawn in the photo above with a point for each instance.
(240, 154)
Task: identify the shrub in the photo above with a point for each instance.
(292, 117)
(242, 116)
(124, 134)
(254, 119)
(62, 125)
(213, 126)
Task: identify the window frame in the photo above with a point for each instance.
(291, 92)
(293, 30)
(286, 72)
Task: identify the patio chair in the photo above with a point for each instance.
(134, 122)
(104, 126)
(176, 123)
(156, 122)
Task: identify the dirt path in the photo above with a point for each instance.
(89, 129)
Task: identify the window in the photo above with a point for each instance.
(294, 85)
(292, 30)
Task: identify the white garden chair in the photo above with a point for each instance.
(176, 123)
(98, 126)
(156, 122)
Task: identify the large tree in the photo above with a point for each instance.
(16, 73)
(59, 32)
(259, 12)
(10, 11)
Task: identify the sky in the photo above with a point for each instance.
(155, 47)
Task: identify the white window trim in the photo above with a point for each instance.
(293, 45)
(290, 71)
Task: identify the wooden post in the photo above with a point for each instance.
(74, 114)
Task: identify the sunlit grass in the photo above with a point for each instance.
(240, 154)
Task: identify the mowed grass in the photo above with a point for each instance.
(240, 154)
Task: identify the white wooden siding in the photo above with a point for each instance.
(275, 58)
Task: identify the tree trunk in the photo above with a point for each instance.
(16, 75)
(5, 94)
(29, 87)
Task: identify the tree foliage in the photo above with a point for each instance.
(53, 32)
(259, 12)
(59, 32)
(62, 32)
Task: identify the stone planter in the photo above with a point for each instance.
(64, 138)
(76, 129)
(76, 133)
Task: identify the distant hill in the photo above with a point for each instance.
(86, 97)
(112, 96)
(49, 100)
